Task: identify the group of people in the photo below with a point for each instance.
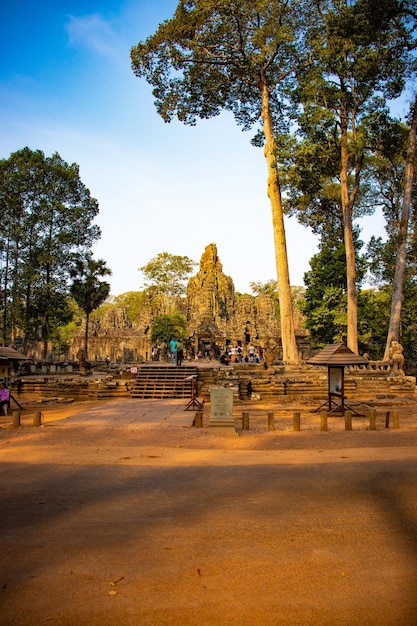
(4, 399)
(177, 351)
(235, 355)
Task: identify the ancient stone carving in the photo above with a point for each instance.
(271, 352)
(396, 358)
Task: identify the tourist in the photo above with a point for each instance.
(173, 346)
(233, 353)
(180, 352)
(224, 359)
(4, 399)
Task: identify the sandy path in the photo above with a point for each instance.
(124, 514)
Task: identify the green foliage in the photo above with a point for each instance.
(242, 57)
(133, 302)
(382, 266)
(360, 57)
(213, 56)
(408, 331)
(269, 288)
(88, 289)
(373, 314)
(167, 327)
(326, 317)
(168, 273)
(325, 304)
(47, 215)
(62, 338)
(102, 310)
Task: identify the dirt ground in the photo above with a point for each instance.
(122, 512)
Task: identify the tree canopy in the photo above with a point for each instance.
(167, 327)
(239, 56)
(47, 222)
(168, 273)
(360, 57)
(88, 289)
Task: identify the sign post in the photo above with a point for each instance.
(221, 417)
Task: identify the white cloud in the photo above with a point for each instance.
(92, 32)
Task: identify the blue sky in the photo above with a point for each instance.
(67, 86)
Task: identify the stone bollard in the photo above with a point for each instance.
(372, 419)
(387, 418)
(198, 419)
(16, 419)
(323, 421)
(395, 419)
(271, 424)
(245, 421)
(37, 420)
(348, 420)
(296, 421)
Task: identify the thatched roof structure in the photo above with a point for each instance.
(337, 354)
(10, 354)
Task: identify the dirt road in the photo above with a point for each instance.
(122, 513)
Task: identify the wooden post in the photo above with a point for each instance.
(323, 421)
(37, 420)
(245, 421)
(395, 419)
(296, 421)
(271, 425)
(372, 419)
(348, 420)
(16, 419)
(198, 419)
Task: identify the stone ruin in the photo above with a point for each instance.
(217, 317)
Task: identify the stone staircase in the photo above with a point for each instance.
(163, 381)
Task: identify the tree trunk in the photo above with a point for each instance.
(5, 292)
(87, 321)
(352, 308)
(289, 344)
(397, 288)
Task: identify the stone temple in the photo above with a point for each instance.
(217, 317)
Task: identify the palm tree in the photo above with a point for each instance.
(87, 289)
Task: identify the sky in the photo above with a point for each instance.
(66, 86)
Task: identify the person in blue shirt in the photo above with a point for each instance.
(173, 348)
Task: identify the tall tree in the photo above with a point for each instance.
(88, 289)
(325, 298)
(238, 56)
(359, 58)
(47, 220)
(401, 256)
